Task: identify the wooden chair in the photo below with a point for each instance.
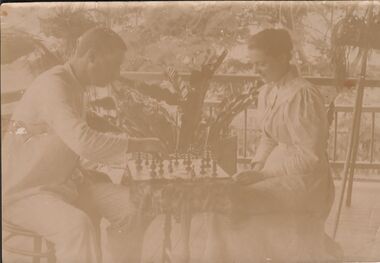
(37, 253)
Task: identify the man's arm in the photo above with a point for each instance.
(59, 113)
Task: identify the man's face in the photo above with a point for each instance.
(268, 67)
(103, 69)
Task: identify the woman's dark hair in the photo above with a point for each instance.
(274, 42)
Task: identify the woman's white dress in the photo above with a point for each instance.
(293, 144)
(283, 216)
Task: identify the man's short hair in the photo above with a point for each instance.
(101, 39)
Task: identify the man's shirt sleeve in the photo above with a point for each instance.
(65, 120)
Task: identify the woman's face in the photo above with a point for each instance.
(269, 68)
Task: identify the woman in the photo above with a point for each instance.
(281, 208)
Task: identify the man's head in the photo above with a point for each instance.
(99, 55)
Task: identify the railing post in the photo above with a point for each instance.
(349, 167)
(245, 133)
(372, 137)
(335, 134)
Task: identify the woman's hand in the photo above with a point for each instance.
(247, 177)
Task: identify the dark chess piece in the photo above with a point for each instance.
(138, 162)
(214, 168)
(208, 165)
(161, 165)
(185, 159)
(153, 168)
(192, 172)
(176, 159)
(203, 166)
(189, 157)
(188, 162)
(170, 166)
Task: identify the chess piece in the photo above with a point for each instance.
(188, 162)
(189, 158)
(185, 159)
(203, 166)
(208, 159)
(153, 168)
(192, 172)
(161, 165)
(138, 162)
(214, 168)
(176, 159)
(170, 166)
(146, 160)
(126, 178)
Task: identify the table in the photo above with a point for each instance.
(179, 188)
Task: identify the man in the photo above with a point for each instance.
(41, 153)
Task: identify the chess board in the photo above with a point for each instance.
(171, 184)
(183, 167)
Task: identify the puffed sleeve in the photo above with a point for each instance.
(65, 121)
(266, 143)
(306, 121)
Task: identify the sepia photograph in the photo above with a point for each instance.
(190, 132)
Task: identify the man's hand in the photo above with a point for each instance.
(168, 86)
(247, 177)
(169, 93)
(257, 166)
(148, 145)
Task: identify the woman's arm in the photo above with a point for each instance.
(306, 120)
(266, 144)
(307, 124)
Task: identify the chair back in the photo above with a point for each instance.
(38, 253)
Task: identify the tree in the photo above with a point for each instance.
(67, 23)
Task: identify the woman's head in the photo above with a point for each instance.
(270, 52)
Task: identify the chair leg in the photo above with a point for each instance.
(37, 247)
(50, 247)
(99, 241)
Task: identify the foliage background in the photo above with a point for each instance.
(176, 34)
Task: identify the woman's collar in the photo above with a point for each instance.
(290, 75)
(286, 87)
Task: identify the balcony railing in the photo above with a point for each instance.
(368, 159)
(369, 142)
(369, 149)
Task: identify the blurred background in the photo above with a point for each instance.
(35, 37)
